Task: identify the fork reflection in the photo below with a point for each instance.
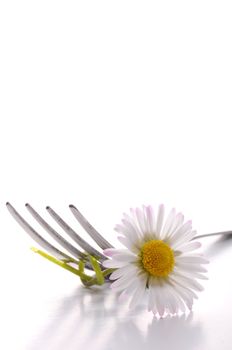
(93, 319)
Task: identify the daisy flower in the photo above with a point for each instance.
(158, 260)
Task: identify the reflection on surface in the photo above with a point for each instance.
(219, 245)
(94, 319)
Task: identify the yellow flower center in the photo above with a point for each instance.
(157, 258)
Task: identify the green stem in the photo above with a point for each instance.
(94, 280)
(99, 276)
(88, 281)
(62, 264)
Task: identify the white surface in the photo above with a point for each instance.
(110, 105)
(44, 307)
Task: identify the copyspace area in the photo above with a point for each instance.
(111, 105)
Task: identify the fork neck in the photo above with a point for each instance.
(226, 233)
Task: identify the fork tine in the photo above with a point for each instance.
(82, 243)
(55, 235)
(96, 236)
(35, 236)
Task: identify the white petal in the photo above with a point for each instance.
(165, 298)
(190, 246)
(151, 298)
(194, 275)
(189, 274)
(141, 220)
(134, 222)
(130, 230)
(171, 300)
(138, 294)
(123, 296)
(179, 301)
(125, 256)
(128, 244)
(128, 291)
(169, 222)
(181, 231)
(179, 219)
(189, 236)
(114, 263)
(119, 261)
(181, 240)
(112, 251)
(125, 231)
(126, 277)
(159, 301)
(179, 285)
(131, 234)
(184, 228)
(120, 229)
(188, 282)
(146, 222)
(160, 218)
(122, 283)
(109, 252)
(131, 288)
(154, 305)
(123, 271)
(191, 259)
(151, 219)
(184, 294)
(190, 267)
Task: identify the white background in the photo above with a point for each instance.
(108, 105)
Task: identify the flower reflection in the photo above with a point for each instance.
(91, 319)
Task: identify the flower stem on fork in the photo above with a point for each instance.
(98, 278)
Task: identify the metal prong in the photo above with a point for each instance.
(55, 235)
(228, 233)
(96, 236)
(82, 243)
(35, 236)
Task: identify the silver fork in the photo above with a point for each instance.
(76, 254)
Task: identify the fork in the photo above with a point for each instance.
(89, 257)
